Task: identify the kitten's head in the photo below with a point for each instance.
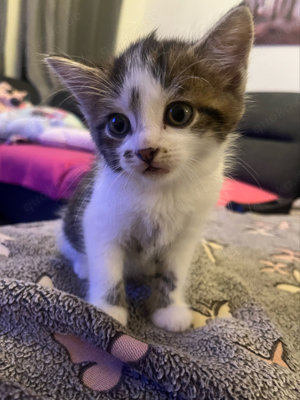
(164, 106)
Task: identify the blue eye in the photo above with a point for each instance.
(118, 125)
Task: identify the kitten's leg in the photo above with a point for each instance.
(79, 260)
(173, 313)
(106, 289)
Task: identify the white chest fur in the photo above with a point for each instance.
(153, 217)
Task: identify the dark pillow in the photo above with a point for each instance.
(272, 116)
(271, 164)
(67, 101)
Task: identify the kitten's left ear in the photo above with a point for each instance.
(225, 49)
(83, 81)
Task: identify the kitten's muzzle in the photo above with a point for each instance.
(147, 155)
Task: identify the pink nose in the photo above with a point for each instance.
(147, 155)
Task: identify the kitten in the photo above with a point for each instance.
(161, 115)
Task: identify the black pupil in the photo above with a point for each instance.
(177, 113)
(119, 124)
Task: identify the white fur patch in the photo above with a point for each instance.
(173, 318)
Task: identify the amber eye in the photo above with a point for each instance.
(118, 125)
(178, 114)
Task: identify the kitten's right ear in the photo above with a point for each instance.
(83, 81)
(225, 49)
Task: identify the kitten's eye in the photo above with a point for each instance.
(178, 114)
(118, 125)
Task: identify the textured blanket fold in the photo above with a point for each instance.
(244, 290)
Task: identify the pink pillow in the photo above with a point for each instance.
(57, 172)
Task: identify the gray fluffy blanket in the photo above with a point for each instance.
(244, 291)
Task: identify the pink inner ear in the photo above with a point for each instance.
(102, 376)
(129, 349)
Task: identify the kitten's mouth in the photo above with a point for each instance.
(151, 170)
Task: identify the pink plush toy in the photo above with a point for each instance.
(11, 98)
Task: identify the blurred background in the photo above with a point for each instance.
(46, 151)
(95, 29)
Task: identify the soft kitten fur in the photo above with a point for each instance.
(124, 220)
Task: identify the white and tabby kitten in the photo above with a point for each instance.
(161, 115)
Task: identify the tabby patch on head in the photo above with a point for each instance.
(163, 103)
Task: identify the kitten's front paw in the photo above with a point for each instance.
(173, 318)
(116, 312)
